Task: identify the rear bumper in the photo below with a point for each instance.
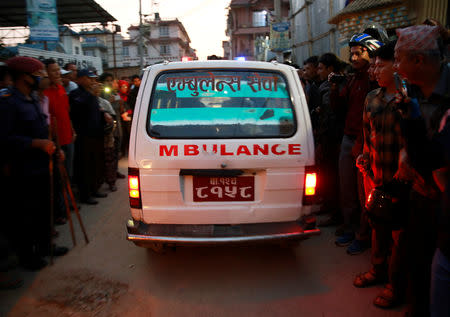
(141, 233)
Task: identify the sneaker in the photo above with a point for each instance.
(120, 175)
(357, 247)
(345, 239)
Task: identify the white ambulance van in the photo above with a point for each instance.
(221, 152)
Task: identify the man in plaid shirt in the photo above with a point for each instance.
(379, 162)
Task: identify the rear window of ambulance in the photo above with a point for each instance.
(220, 104)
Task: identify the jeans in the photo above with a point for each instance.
(348, 184)
(440, 285)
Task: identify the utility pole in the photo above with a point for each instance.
(115, 30)
(277, 7)
(140, 44)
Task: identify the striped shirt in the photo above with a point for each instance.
(382, 135)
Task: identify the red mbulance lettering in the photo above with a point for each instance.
(164, 151)
(223, 150)
(275, 151)
(294, 149)
(263, 150)
(243, 149)
(191, 150)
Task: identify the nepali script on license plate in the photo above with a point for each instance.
(208, 188)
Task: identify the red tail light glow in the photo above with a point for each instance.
(310, 185)
(134, 191)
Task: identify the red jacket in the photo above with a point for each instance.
(59, 108)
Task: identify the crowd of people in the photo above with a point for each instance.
(382, 136)
(55, 121)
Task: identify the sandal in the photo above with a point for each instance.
(387, 298)
(368, 278)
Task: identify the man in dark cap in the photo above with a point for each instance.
(24, 135)
(88, 120)
(419, 59)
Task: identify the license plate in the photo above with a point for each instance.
(240, 188)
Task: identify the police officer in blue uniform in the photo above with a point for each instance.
(88, 121)
(24, 139)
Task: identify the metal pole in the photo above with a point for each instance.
(114, 50)
(141, 56)
(277, 8)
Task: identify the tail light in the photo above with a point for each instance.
(310, 185)
(134, 190)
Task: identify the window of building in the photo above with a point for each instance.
(89, 53)
(163, 30)
(126, 51)
(164, 49)
(77, 50)
(126, 64)
(259, 18)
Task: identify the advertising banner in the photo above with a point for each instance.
(279, 37)
(42, 20)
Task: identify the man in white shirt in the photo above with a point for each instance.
(67, 83)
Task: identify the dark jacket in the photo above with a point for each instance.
(132, 98)
(87, 116)
(329, 129)
(21, 121)
(349, 102)
(428, 149)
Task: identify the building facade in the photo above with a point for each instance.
(162, 40)
(248, 27)
(311, 35)
(310, 32)
(70, 40)
(390, 14)
(103, 43)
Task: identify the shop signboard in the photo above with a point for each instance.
(279, 36)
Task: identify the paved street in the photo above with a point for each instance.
(112, 277)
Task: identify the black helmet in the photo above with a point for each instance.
(376, 31)
(379, 205)
(365, 40)
(389, 203)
